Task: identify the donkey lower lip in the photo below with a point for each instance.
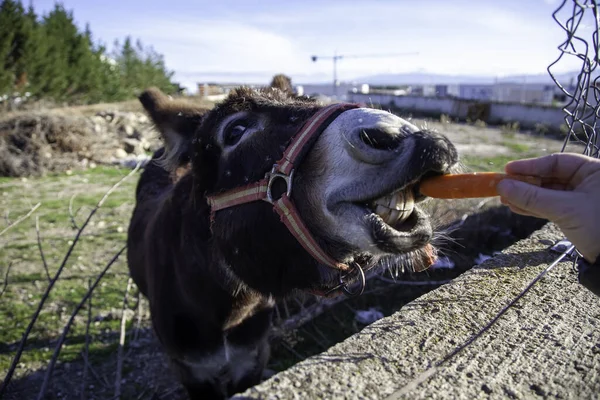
(408, 235)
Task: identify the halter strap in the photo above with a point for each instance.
(283, 169)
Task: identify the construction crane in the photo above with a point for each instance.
(337, 57)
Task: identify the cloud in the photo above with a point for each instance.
(250, 41)
(209, 46)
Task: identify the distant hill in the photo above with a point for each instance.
(419, 78)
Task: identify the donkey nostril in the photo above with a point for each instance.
(366, 139)
(379, 139)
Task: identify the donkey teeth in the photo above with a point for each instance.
(394, 216)
(396, 207)
(393, 201)
(382, 211)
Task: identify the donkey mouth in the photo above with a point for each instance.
(396, 224)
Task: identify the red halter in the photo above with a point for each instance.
(283, 169)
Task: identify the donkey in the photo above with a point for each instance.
(278, 194)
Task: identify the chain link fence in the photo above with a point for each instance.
(580, 22)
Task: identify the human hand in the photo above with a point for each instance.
(570, 198)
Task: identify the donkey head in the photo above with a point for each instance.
(356, 190)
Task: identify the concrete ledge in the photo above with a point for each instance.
(546, 345)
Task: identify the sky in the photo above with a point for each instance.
(248, 41)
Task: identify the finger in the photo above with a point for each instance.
(544, 203)
(561, 166)
(556, 186)
(520, 211)
(516, 209)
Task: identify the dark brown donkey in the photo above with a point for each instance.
(278, 194)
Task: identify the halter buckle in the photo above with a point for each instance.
(272, 177)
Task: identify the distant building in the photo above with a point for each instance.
(429, 91)
(530, 93)
(209, 89)
(482, 92)
(417, 90)
(447, 90)
(340, 91)
(219, 89)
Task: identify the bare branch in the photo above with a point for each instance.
(142, 393)
(67, 327)
(101, 379)
(39, 243)
(320, 333)
(167, 394)
(138, 322)
(307, 314)
(286, 309)
(5, 284)
(320, 306)
(86, 350)
(278, 314)
(293, 351)
(71, 215)
(135, 316)
(22, 218)
(315, 339)
(36, 315)
(300, 303)
(122, 342)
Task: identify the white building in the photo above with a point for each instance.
(530, 93)
(474, 91)
(340, 91)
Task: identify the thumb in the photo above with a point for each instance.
(547, 203)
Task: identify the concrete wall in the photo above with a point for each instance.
(434, 105)
(524, 93)
(527, 115)
(442, 345)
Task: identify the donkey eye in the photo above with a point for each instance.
(234, 133)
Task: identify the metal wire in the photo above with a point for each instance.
(582, 107)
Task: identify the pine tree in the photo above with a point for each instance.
(58, 32)
(83, 67)
(34, 51)
(51, 58)
(11, 14)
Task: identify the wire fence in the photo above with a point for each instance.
(580, 21)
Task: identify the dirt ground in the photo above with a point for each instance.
(41, 141)
(473, 229)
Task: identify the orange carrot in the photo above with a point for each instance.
(462, 186)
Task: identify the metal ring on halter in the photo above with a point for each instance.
(361, 282)
(272, 177)
(344, 285)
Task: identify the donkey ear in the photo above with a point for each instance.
(177, 121)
